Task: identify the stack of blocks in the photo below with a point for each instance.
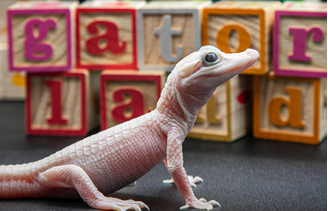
(136, 42)
(291, 104)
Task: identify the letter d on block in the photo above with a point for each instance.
(294, 107)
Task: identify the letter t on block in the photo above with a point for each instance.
(165, 33)
(169, 33)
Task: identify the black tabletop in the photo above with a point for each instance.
(249, 174)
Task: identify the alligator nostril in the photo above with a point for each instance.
(252, 53)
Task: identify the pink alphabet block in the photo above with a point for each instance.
(300, 40)
(39, 35)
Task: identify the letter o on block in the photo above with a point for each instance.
(252, 21)
(223, 36)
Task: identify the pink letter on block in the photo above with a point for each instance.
(35, 51)
(299, 44)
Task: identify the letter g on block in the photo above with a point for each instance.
(34, 50)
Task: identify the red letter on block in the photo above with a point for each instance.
(111, 37)
(135, 104)
(299, 44)
(56, 103)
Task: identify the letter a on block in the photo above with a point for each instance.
(134, 106)
(165, 33)
(110, 36)
(294, 106)
(34, 50)
(299, 43)
(56, 103)
(223, 36)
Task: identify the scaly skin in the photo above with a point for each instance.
(105, 162)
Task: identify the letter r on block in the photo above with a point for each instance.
(294, 106)
(299, 42)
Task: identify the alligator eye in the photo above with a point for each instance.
(211, 57)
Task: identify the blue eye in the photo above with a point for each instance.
(211, 57)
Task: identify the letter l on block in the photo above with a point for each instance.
(56, 103)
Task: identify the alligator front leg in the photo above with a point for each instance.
(72, 176)
(179, 175)
(192, 180)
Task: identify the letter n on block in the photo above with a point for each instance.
(290, 109)
(60, 104)
(127, 95)
(106, 35)
(168, 31)
(40, 36)
(300, 40)
(227, 115)
(235, 26)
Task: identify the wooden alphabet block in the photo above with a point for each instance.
(3, 27)
(60, 104)
(12, 85)
(168, 32)
(227, 116)
(300, 40)
(106, 35)
(126, 95)
(39, 36)
(236, 26)
(290, 109)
